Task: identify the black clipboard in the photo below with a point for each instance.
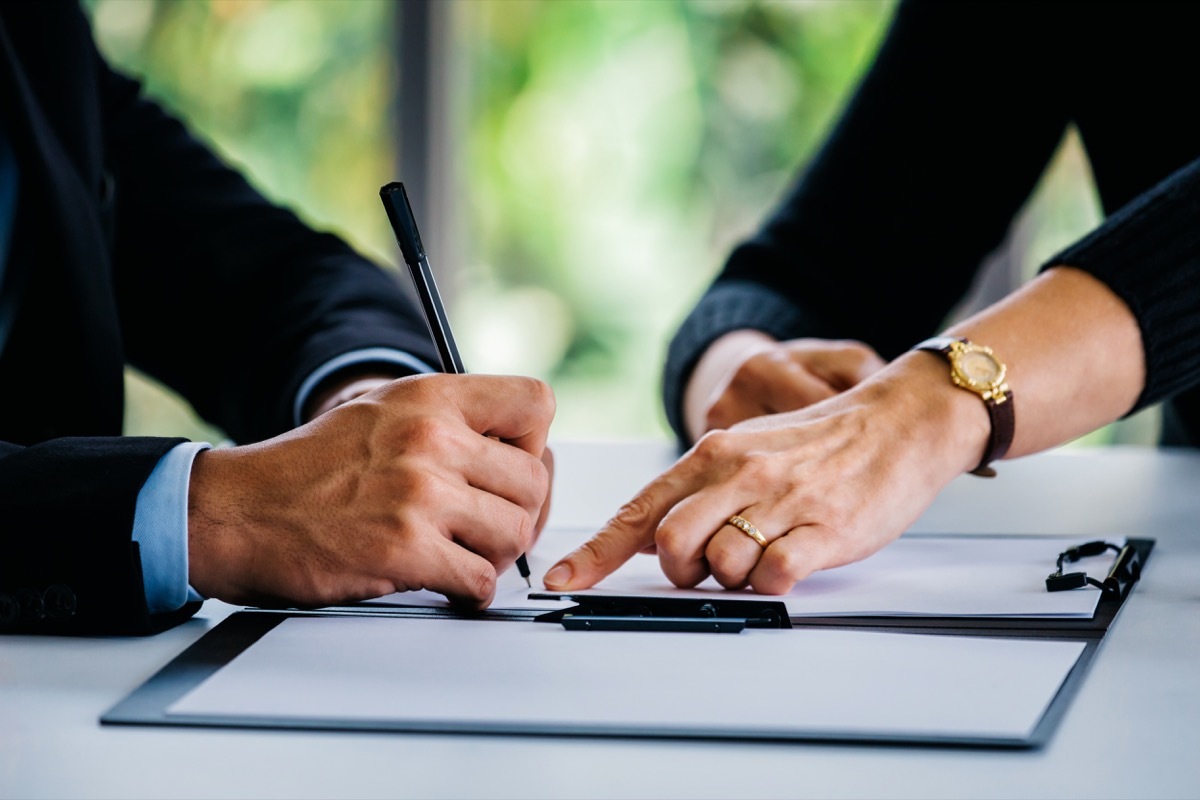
(150, 703)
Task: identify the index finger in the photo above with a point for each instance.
(627, 533)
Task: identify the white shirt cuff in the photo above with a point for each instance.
(370, 355)
(160, 529)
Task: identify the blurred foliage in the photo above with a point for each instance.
(611, 152)
(615, 152)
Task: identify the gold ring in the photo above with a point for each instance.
(743, 525)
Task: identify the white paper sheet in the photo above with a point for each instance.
(922, 576)
(968, 576)
(480, 675)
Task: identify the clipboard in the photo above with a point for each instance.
(643, 627)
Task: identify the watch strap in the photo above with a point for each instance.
(1000, 412)
(1004, 425)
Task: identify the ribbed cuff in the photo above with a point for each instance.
(727, 306)
(1148, 253)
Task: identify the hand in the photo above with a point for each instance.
(344, 391)
(826, 485)
(747, 374)
(399, 489)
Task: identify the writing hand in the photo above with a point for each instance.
(359, 384)
(827, 485)
(428, 482)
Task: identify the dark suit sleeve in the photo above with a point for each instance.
(90, 581)
(225, 297)
(941, 143)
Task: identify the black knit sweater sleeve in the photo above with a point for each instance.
(1148, 253)
(942, 142)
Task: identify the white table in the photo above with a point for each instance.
(1132, 731)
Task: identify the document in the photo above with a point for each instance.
(943, 576)
(467, 675)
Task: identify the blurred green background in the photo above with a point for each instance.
(609, 152)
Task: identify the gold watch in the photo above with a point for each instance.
(977, 369)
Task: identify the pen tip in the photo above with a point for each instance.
(528, 582)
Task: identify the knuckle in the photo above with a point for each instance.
(635, 514)
(421, 489)
(386, 550)
(542, 398)
(407, 532)
(760, 470)
(539, 478)
(428, 433)
(713, 448)
(479, 582)
(830, 518)
(523, 531)
(670, 537)
(723, 567)
(785, 565)
(598, 550)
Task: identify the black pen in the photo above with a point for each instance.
(400, 213)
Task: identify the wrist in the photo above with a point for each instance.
(216, 547)
(949, 426)
(341, 390)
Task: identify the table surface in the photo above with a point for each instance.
(1133, 730)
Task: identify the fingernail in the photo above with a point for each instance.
(558, 576)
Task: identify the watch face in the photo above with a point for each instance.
(979, 369)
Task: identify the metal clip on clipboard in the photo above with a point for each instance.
(603, 613)
(1124, 572)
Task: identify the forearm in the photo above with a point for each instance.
(1074, 355)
